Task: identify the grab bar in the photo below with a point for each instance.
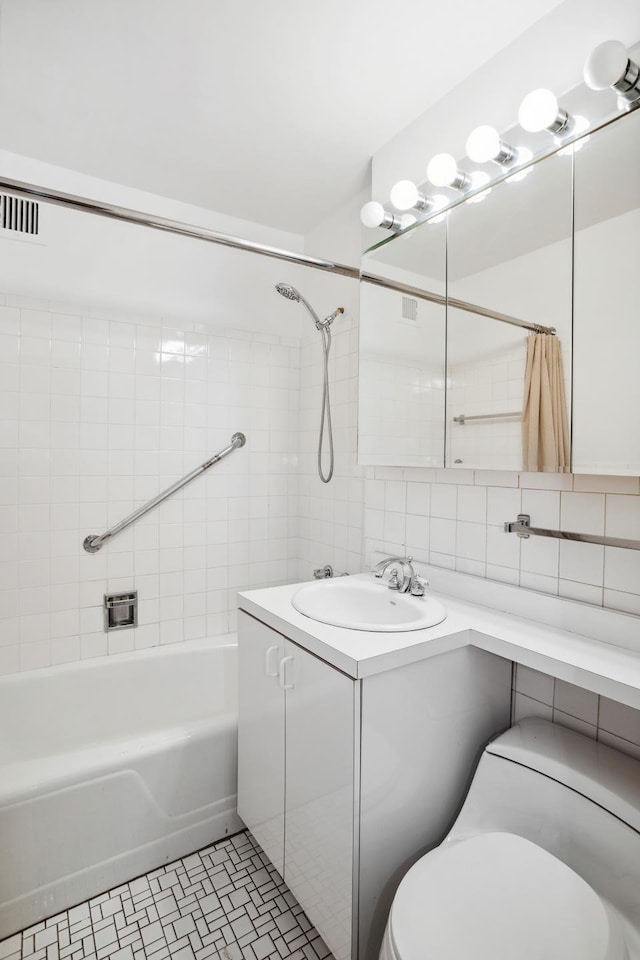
(94, 542)
(522, 527)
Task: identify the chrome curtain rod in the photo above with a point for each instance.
(94, 542)
(522, 527)
(453, 302)
(113, 212)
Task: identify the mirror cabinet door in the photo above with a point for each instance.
(402, 351)
(508, 256)
(606, 329)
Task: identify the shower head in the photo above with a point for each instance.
(286, 290)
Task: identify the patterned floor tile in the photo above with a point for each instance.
(226, 902)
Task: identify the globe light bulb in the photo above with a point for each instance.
(443, 172)
(404, 195)
(539, 111)
(483, 144)
(606, 65)
(372, 214)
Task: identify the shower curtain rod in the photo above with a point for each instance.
(453, 302)
(127, 215)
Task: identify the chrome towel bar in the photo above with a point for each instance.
(94, 542)
(522, 527)
(463, 418)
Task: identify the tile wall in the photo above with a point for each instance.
(330, 515)
(538, 695)
(98, 413)
(454, 519)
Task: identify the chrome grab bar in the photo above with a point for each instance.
(94, 542)
(522, 527)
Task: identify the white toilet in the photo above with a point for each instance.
(542, 863)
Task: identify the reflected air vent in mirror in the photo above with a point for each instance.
(18, 217)
(409, 309)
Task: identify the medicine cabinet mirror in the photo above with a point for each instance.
(553, 249)
(402, 351)
(606, 333)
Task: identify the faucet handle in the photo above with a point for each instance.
(417, 586)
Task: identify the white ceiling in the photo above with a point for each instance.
(268, 111)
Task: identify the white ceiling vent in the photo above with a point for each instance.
(19, 218)
(409, 309)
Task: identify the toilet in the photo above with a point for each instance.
(542, 862)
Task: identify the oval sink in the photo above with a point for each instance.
(366, 605)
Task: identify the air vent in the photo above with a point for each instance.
(18, 216)
(409, 309)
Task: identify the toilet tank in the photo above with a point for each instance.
(576, 798)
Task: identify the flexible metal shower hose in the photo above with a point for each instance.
(326, 408)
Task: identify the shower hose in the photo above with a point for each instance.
(325, 416)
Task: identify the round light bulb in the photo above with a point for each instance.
(372, 214)
(538, 110)
(404, 195)
(605, 65)
(442, 170)
(483, 144)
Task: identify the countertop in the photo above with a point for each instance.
(611, 669)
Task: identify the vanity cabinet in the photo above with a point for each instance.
(345, 782)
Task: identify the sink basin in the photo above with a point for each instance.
(366, 605)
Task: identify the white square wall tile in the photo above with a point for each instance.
(620, 720)
(444, 500)
(576, 701)
(472, 504)
(582, 512)
(543, 506)
(623, 517)
(583, 562)
(534, 684)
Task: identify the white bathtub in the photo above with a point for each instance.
(109, 768)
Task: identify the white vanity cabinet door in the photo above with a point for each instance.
(261, 736)
(319, 808)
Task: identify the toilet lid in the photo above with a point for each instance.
(498, 896)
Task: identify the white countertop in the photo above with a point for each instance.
(608, 668)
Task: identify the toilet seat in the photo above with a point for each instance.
(497, 896)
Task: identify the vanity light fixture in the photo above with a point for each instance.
(373, 214)
(479, 179)
(484, 144)
(524, 156)
(443, 172)
(406, 196)
(540, 111)
(609, 65)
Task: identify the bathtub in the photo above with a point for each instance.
(109, 768)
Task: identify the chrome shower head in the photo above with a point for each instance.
(286, 290)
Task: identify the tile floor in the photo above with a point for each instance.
(226, 902)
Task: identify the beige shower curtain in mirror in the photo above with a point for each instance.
(545, 429)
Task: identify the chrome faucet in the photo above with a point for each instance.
(410, 583)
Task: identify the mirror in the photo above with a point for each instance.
(606, 439)
(402, 351)
(508, 263)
